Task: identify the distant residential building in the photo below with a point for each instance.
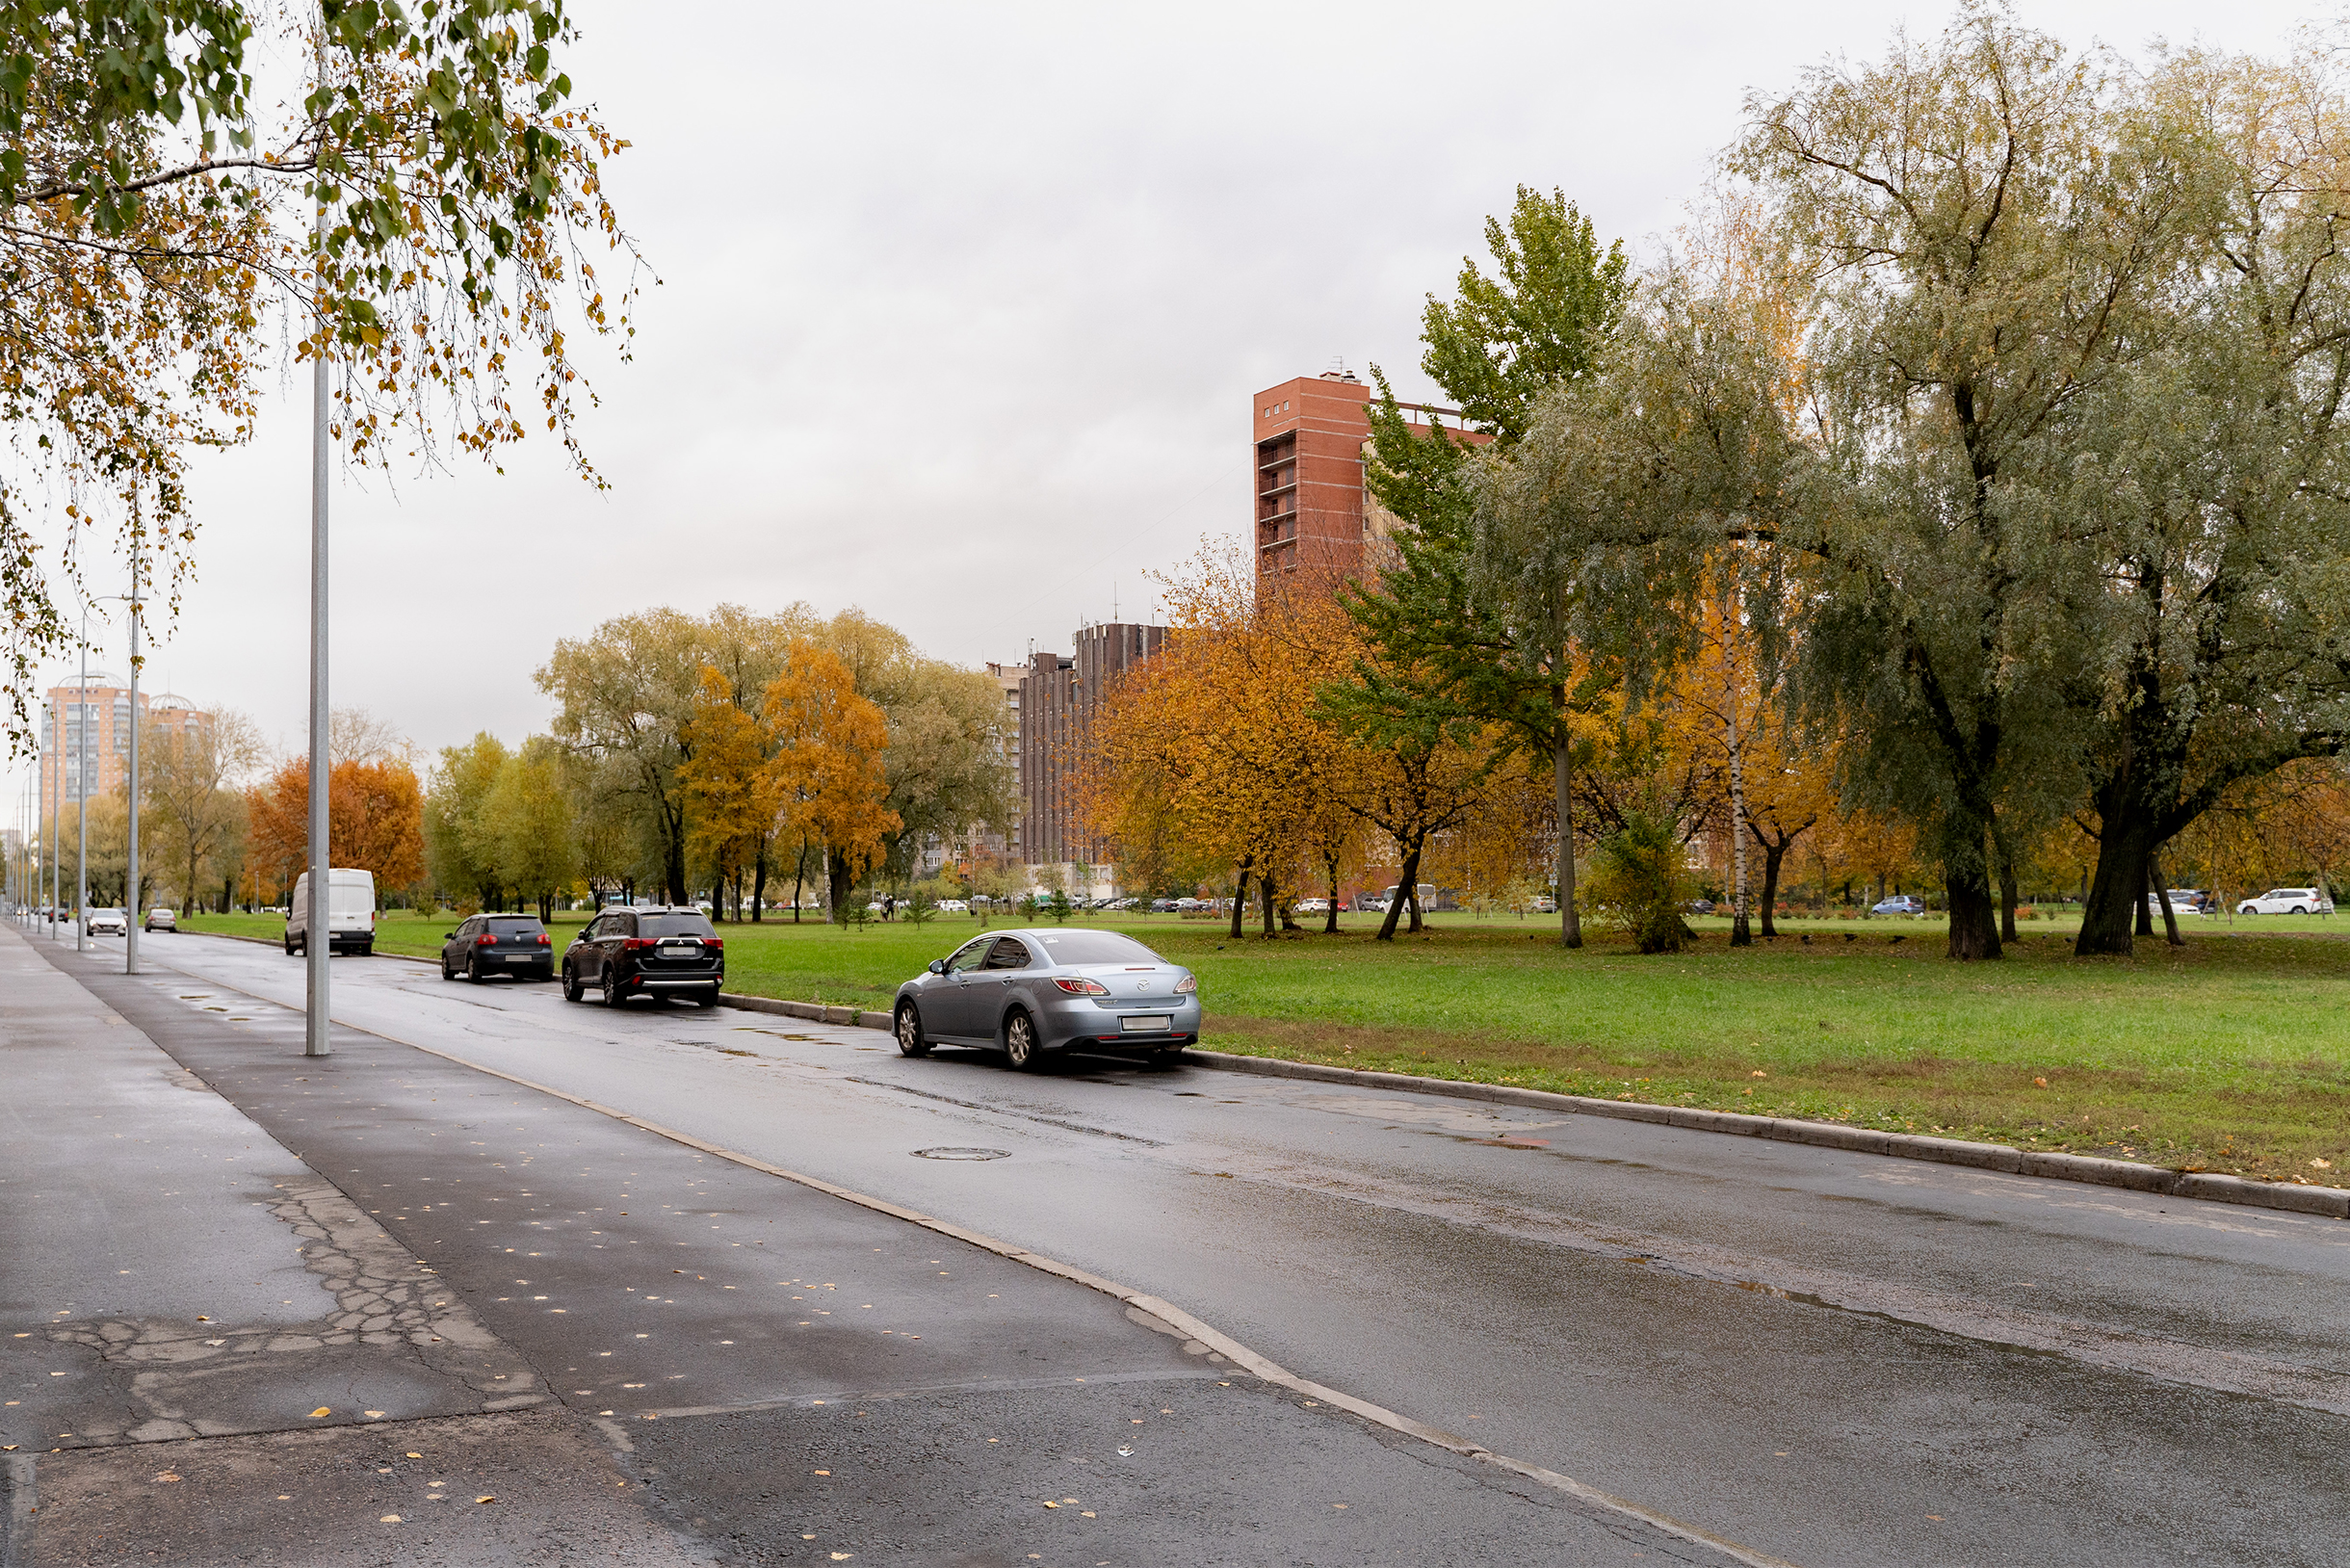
(1311, 436)
(86, 737)
(1058, 695)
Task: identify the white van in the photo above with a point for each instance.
(351, 912)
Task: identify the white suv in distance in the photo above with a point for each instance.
(2288, 901)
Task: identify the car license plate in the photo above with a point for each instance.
(1143, 1026)
(692, 950)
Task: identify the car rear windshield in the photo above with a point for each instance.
(522, 926)
(673, 925)
(1094, 948)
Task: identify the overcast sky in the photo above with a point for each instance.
(962, 309)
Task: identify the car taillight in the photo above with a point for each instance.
(1083, 988)
(485, 939)
(636, 944)
(714, 944)
(1187, 985)
(542, 940)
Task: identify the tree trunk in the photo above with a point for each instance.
(2170, 916)
(1740, 934)
(2007, 885)
(758, 888)
(1264, 892)
(1330, 916)
(2117, 892)
(1562, 761)
(1772, 855)
(1975, 924)
(1403, 892)
(673, 868)
(836, 884)
(1239, 900)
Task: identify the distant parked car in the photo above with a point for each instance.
(106, 923)
(1900, 903)
(1312, 907)
(349, 913)
(488, 945)
(160, 919)
(2185, 901)
(650, 951)
(1543, 904)
(2288, 901)
(1182, 905)
(953, 906)
(1701, 906)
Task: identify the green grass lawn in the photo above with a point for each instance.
(2228, 1053)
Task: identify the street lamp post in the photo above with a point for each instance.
(56, 866)
(80, 795)
(315, 942)
(130, 879)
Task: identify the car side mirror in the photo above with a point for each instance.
(448, 936)
(938, 966)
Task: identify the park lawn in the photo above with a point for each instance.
(2228, 1053)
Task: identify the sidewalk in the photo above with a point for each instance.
(173, 1279)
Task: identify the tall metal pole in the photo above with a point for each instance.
(80, 795)
(130, 875)
(314, 942)
(57, 815)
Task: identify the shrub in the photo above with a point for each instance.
(1058, 906)
(1639, 882)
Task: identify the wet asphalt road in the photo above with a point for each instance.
(774, 1374)
(1825, 1356)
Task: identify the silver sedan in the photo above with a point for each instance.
(1029, 992)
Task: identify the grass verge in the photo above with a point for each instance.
(2224, 1054)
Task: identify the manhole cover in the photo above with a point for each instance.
(963, 1154)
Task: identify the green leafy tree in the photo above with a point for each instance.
(1451, 652)
(527, 814)
(464, 848)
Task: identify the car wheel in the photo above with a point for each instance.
(2298, 910)
(473, 970)
(447, 973)
(289, 947)
(1020, 1045)
(910, 1042)
(707, 999)
(613, 993)
(572, 990)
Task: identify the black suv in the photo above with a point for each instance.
(646, 951)
(488, 945)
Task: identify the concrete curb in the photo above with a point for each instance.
(2136, 1176)
(16, 1507)
(2330, 1202)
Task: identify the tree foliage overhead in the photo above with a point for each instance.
(427, 202)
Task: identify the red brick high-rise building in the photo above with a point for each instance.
(1313, 512)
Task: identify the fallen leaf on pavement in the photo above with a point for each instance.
(322, 1410)
(492, 1498)
(389, 1519)
(167, 1475)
